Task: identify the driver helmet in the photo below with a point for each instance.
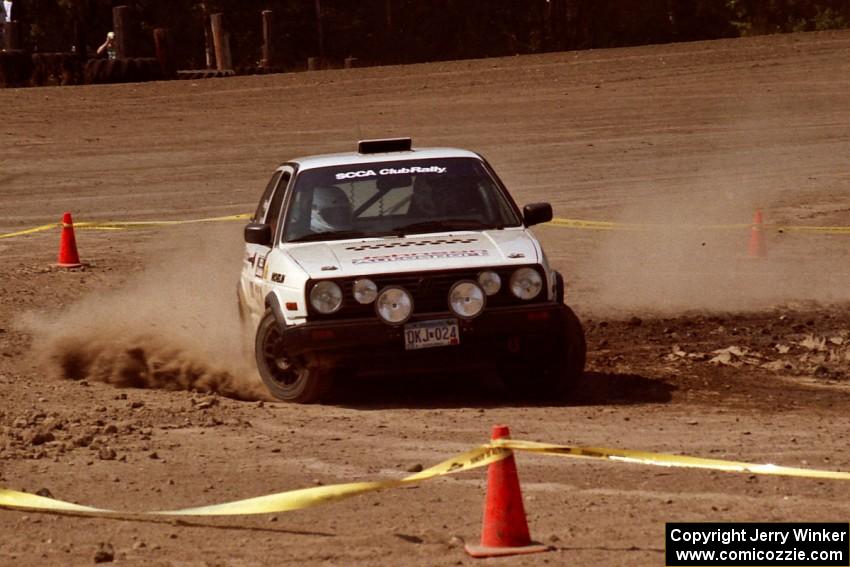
(331, 209)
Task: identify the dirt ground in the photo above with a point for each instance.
(693, 347)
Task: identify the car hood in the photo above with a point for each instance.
(416, 253)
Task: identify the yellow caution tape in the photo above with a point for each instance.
(665, 460)
(122, 225)
(103, 228)
(584, 224)
(16, 499)
(557, 222)
(479, 457)
(813, 229)
(142, 224)
(280, 502)
(30, 230)
(307, 497)
(607, 225)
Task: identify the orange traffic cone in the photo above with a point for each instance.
(758, 246)
(505, 528)
(68, 256)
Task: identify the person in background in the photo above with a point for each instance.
(109, 46)
(5, 16)
(2, 21)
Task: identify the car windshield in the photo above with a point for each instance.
(396, 198)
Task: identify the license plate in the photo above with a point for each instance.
(428, 334)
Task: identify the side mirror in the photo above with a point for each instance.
(536, 213)
(256, 233)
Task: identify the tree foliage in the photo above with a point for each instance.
(397, 31)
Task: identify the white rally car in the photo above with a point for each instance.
(395, 259)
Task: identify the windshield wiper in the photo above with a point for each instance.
(331, 235)
(442, 225)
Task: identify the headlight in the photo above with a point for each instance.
(490, 282)
(526, 283)
(394, 305)
(326, 297)
(466, 299)
(365, 291)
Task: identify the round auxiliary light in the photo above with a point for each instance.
(526, 283)
(394, 305)
(490, 282)
(326, 297)
(467, 299)
(365, 291)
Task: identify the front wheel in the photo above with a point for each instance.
(556, 375)
(287, 378)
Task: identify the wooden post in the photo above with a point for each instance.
(557, 24)
(12, 35)
(165, 52)
(221, 41)
(228, 56)
(81, 17)
(397, 50)
(320, 29)
(209, 53)
(269, 58)
(217, 36)
(122, 24)
(80, 43)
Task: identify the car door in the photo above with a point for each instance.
(268, 212)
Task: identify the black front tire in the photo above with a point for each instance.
(287, 378)
(575, 356)
(557, 375)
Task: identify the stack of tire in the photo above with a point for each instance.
(198, 74)
(56, 68)
(128, 70)
(15, 68)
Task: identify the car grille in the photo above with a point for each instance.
(430, 291)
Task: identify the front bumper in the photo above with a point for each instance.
(524, 332)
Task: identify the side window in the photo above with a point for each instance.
(263, 207)
(277, 201)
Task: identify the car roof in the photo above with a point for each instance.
(354, 158)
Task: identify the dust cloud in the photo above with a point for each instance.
(175, 326)
(694, 256)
